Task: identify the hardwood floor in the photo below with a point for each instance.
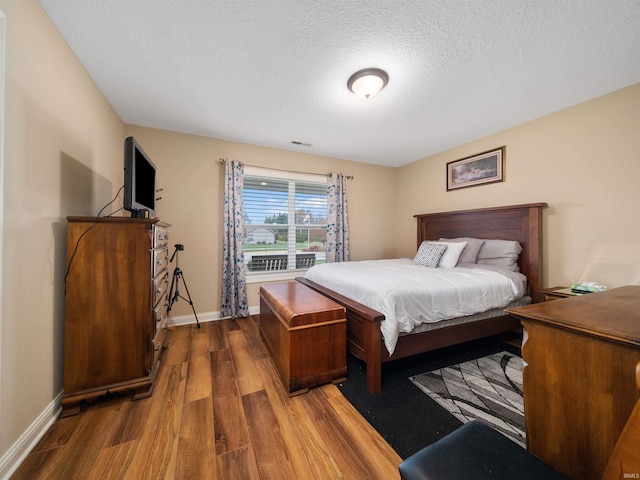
(219, 411)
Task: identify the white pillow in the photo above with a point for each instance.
(450, 257)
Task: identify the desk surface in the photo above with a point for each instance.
(614, 314)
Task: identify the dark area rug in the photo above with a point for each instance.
(407, 418)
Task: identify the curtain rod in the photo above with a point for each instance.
(223, 161)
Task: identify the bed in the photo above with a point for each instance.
(522, 223)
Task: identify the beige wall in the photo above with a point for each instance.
(62, 152)
(583, 161)
(192, 196)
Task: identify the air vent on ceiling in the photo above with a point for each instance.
(303, 144)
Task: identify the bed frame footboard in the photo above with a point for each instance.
(364, 337)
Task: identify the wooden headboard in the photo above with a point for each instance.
(515, 222)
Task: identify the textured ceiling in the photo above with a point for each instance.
(272, 72)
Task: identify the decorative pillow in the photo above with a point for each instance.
(470, 252)
(502, 253)
(429, 254)
(451, 255)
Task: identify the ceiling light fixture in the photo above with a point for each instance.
(368, 82)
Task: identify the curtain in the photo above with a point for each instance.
(234, 288)
(337, 219)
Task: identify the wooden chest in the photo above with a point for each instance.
(305, 333)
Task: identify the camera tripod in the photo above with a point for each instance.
(174, 292)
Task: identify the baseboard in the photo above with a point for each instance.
(204, 317)
(12, 459)
(191, 319)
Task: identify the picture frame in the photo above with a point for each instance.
(480, 169)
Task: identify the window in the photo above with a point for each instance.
(285, 220)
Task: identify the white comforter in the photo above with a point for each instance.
(408, 294)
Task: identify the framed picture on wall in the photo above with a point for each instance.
(480, 169)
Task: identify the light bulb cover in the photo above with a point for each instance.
(368, 82)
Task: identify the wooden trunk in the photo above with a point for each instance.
(305, 332)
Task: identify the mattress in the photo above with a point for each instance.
(409, 295)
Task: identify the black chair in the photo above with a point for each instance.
(475, 451)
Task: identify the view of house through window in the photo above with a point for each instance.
(285, 220)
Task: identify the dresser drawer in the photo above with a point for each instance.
(157, 345)
(160, 287)
(160, 237)
(160, 312)
(160, 261)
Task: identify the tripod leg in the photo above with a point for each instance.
(189, 300)
(173, 296)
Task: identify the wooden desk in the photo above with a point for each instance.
(579, 381)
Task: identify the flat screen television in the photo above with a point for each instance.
(139, 181)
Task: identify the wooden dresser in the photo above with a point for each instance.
(116, 288)
(579, 380)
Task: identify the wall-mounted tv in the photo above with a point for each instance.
(139, 181)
